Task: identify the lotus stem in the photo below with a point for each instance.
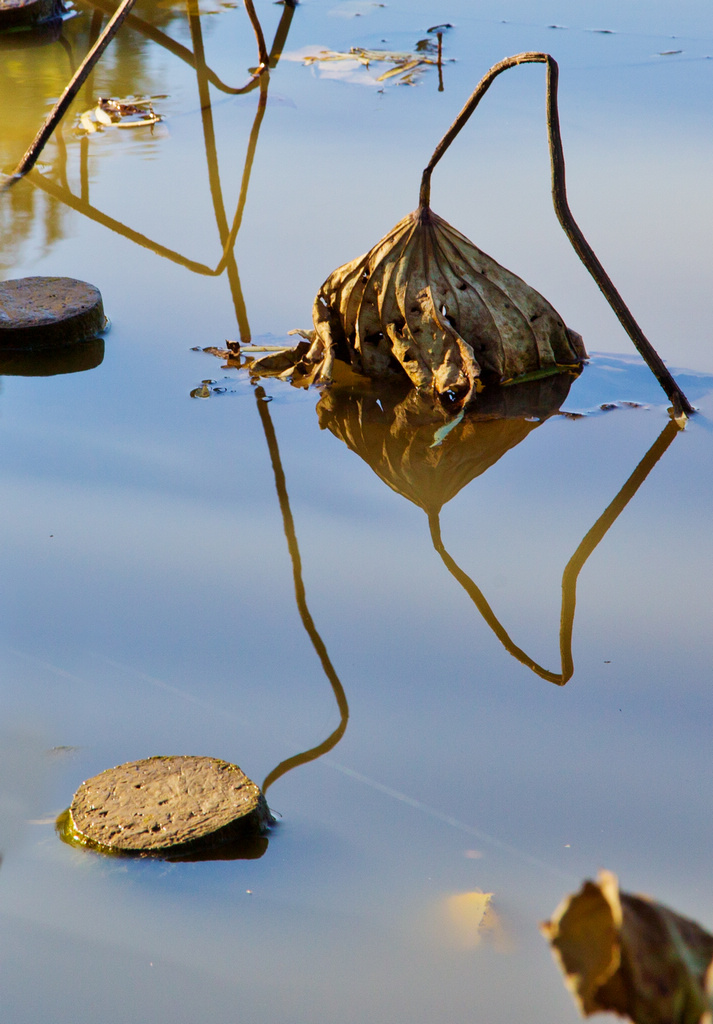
(581, 246)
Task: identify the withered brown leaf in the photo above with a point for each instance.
(628, 955)
(427, 302)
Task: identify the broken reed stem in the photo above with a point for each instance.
(570, 227)
(60, 108)
(257, 29)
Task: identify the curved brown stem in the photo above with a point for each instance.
(571, 571)
(307, 621)
(564, 215)
(257, 29)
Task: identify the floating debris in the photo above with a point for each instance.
(406, 65)
(204, 391)
(133, 112)
(629, 955)
(164, 806)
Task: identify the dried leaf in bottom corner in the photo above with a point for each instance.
(629, 955)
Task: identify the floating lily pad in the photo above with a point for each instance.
(164, 806)
(48, 312)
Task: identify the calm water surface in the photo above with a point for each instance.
(151, 541)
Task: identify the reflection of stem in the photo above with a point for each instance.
(283, 28)
(249, 157)
(213, 171)
(182, 52)
(440, 62)
(94, 30)
(95, 26)
(83, 206)
(307, 620)
(564, 215)
(257, 29)
(65, 196)
(84, 169)
(571, 571)
(60, 168)
(61, 106)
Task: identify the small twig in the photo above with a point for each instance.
(581, 246)
(60, 108)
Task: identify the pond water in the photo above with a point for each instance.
(271, 571)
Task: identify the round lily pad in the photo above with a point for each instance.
(48, 312)
(164, 806)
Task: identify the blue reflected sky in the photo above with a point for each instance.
(149, 607)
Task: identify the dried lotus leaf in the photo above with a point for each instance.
(425, 301)
(629, 955)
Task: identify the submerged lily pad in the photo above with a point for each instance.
(164, 806)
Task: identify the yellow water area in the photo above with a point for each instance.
(471, 917)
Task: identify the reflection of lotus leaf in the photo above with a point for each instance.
(405, 437)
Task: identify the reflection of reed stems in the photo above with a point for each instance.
(213, 172)
(257, 29)
(177, 49)
(283, 28)
(62, 105)
(571, 571)
(74, 203)
(83, 206)
(564, 215)
(60, 168)
(440, 62)
(94, 29)
(307, 620)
